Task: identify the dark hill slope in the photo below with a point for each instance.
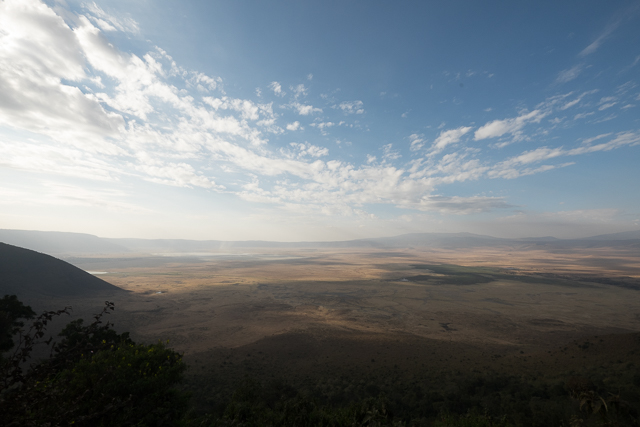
(26, 272)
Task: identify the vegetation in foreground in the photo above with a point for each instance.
(92, 377)
(97, 377)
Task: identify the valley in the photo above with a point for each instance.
(341, 325)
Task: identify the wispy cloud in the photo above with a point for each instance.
(607, 102)
(277, 88)
(416, 142)
(323, 126)
(110, 22)
(569, 74)
(352, 107)
(577, 100)
(305, 109)
(498, 128)
(103, 115)
(449, 137)
(518, 165)
(389, 153)
(299, 91)
(595, 45)
(618, 18)
(583, 115)
(306, 149)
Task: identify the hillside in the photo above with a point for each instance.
(26, 272)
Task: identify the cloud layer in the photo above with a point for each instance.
(74, 105)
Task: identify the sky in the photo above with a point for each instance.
(319, 120)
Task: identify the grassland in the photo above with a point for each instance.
(357, 323)
(518, 299)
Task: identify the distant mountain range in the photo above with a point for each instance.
(57, 242)
(68, 244)
(24, 272)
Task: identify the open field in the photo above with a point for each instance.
(519, 299)
(344, 325)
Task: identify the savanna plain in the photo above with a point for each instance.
(496, 331)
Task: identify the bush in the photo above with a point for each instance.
(93, 377)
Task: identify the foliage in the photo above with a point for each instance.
(129, 384)
(11, 310)
(12, 375)
(277, 404)
(93, 377)
(471, 420)
(440, 399)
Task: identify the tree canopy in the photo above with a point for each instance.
(94, 375)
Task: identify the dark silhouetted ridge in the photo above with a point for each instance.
(24, 272)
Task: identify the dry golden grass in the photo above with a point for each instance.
(234, 301)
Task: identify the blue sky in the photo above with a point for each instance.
(301, 120)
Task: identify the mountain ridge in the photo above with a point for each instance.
(65, 243)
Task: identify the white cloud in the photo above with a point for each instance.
(569, 74)
(306, 149)
(595, 138)
(583, 115)
(37, 51)
(610, 28)
(388, 153)
(352, 107)
(578, 99)
(248, 109)
(417, 142)
(626, 87)
(605, 106)
(50, 159)
(305, 110)
(299, 90)
(293, 126)
(607, 118)
(276, 88)
(498, 128)
(607, 102)
(146, 118)
(537, 155)
(513, 167)
(174, 174)
(323, 126)
(451, 136)
(622, 139)
(201, 81)
(109, 22)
